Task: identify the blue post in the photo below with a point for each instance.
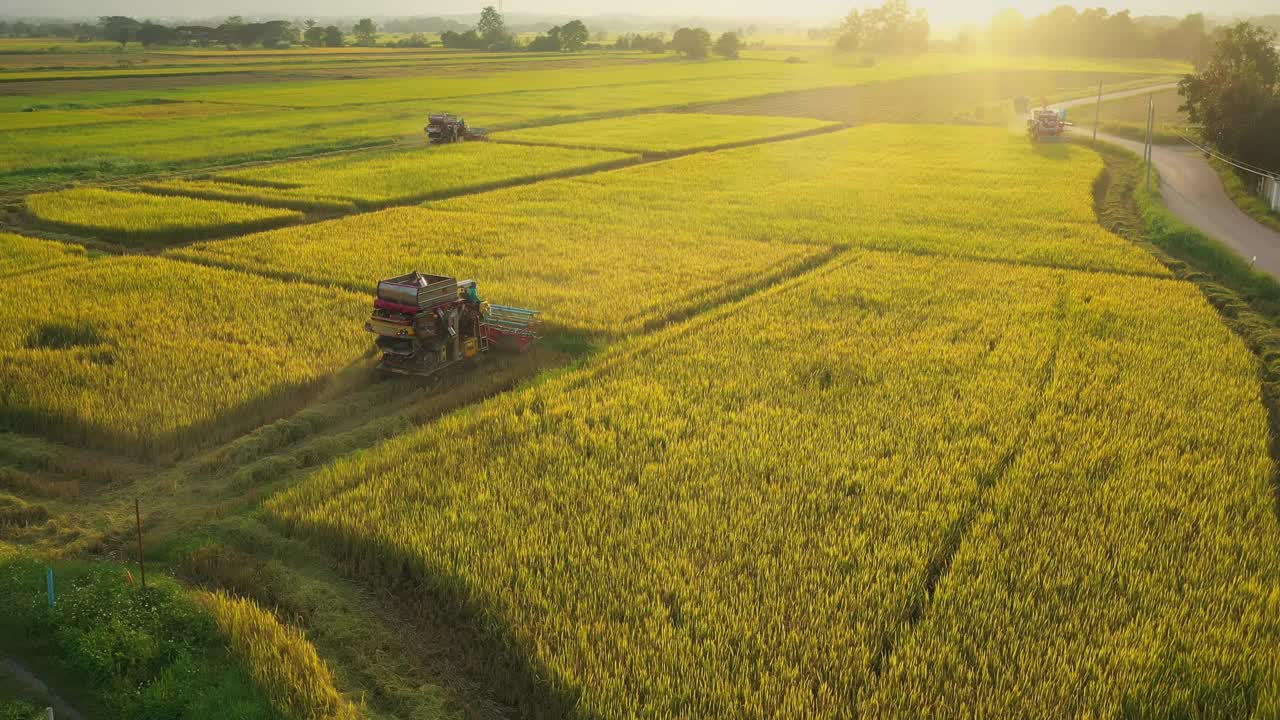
(49, 584)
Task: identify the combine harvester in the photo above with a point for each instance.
(1047, 124)
(426, 323)
(448, 128)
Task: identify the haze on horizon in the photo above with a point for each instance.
(940, 11)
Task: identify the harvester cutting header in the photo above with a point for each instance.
(425, 323)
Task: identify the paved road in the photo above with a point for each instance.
(1117, 95)
(1193, 191)
(62, 710)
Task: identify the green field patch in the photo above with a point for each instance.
(585, 276)
(147, 355)
(50, 118)
(1127, 117)
(388, 108)
(138, 218)
(967, 191)
(22, 254)
(665, 132)
(400, 175)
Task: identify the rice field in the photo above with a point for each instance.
(386, 177)
(953, 191)
(297, 198)
(150, 356)
(22, 254)
(306, 116)
(665, 132)
(841, 422)
(586, 277)
(281, 660)
(761, 511)
(138, 218)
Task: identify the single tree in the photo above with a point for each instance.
(547, 42)
(365, 32)
(333, 37)
(115, 28)
(1236, 98)
(152, 34)
(574, 36)
(491, 28)
(728, 45)
(313, 35)
(691, 42)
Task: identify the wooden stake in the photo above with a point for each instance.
(1151, 127)
(142, 567)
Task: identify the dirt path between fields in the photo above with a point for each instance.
(62, 710)
(1193, 192)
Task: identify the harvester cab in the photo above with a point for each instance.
(426, 323)
(448, 128)
(1047, 124)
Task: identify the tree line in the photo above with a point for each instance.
(895, 27)
(1234, 99)
(231, 33)
(1096, 33)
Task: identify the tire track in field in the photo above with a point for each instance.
(940, 561)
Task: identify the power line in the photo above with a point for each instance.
(1234, 163)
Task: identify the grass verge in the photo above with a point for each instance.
(119, 651)
(1238, 190)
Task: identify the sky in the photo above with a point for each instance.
(942, 12)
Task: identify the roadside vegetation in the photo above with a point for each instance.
(119, 651)
(1240, 187)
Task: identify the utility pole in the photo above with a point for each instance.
(1097, 113)
(1151, 119)
(142, 568)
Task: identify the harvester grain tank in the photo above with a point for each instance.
(448, 128)
(426, 323)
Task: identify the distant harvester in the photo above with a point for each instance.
(448, 128)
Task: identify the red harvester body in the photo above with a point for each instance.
(426, 323)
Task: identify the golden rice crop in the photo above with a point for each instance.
(1125, 564)
(21, 254)
(714, 522)
(665, 132)
(280, 659)
(735, 517)
(958, 191)
(137, 217)
(208, 189)
(148, 355)
(585, 276)
(398, 175)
